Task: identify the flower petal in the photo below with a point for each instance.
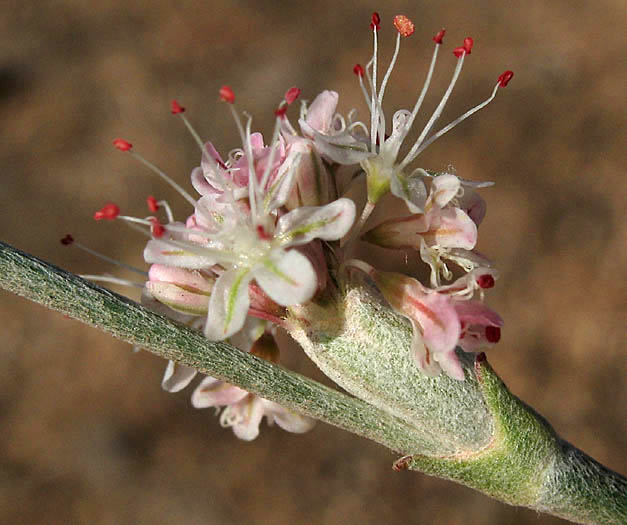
(443, 189)
(411, 189)
(421, 354)
(172, 254)
(452, 228)
(328, 223)
(399, 233)
(288, 419)
(177, 377)
(450, 364)
(433, 312)
(287, 277)
(212, 392)
(320, 112)
(228, 305)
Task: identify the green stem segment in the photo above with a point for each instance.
(474, 431)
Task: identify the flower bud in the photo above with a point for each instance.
(185, 291)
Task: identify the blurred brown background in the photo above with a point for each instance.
(87, 435)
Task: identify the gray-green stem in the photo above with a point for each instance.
(474, 431)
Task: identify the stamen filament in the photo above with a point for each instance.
(458, 120)
(374, 106)
(113, 280)
(167, 179)
(109, 259)
(273, 147)
(425, 88)
(384, 85)
(436, 114)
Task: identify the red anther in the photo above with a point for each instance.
(176, 108)
(292, 94)
(227, 95)
(481, 357)
(439, 36)
(375, 21)
(358, 70)
(67, 240)
(157, 229)
(459, 51)
(485, 281)
(153, 205)
(122, 144)
(493, 334)
(505, 77)
(109, 212)
(468, 43)
(281, 111)
(404, 25)
(262, 233)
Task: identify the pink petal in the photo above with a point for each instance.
(321, 110)
(212, 392)
(288, 419)
(177, 377)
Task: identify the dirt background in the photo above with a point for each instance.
(87, 435)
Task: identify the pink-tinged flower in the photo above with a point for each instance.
(481, 326)
(435, 323)
(442, 226)
(380, 160)
(257, 251)
(243, 411)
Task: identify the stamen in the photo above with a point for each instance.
(439, 36)
(157, 229)
(374, 105)
(375, 21)
(108, 212)
(227, 95)
(196, 136)
(493, 334)
(176, 108)
(505, 77)
(153, 205)
(468, 43)
(404, 25)
(458, 120)
(438, 40)
(113, 280)
(436, 114)
(358, 70)
(292, 94)
(485, 281)
(68, 239)
(167, 179)
(122, 144)
(384, 83)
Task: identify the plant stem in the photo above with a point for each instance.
(53, 287)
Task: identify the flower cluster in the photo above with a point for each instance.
(271, 229)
